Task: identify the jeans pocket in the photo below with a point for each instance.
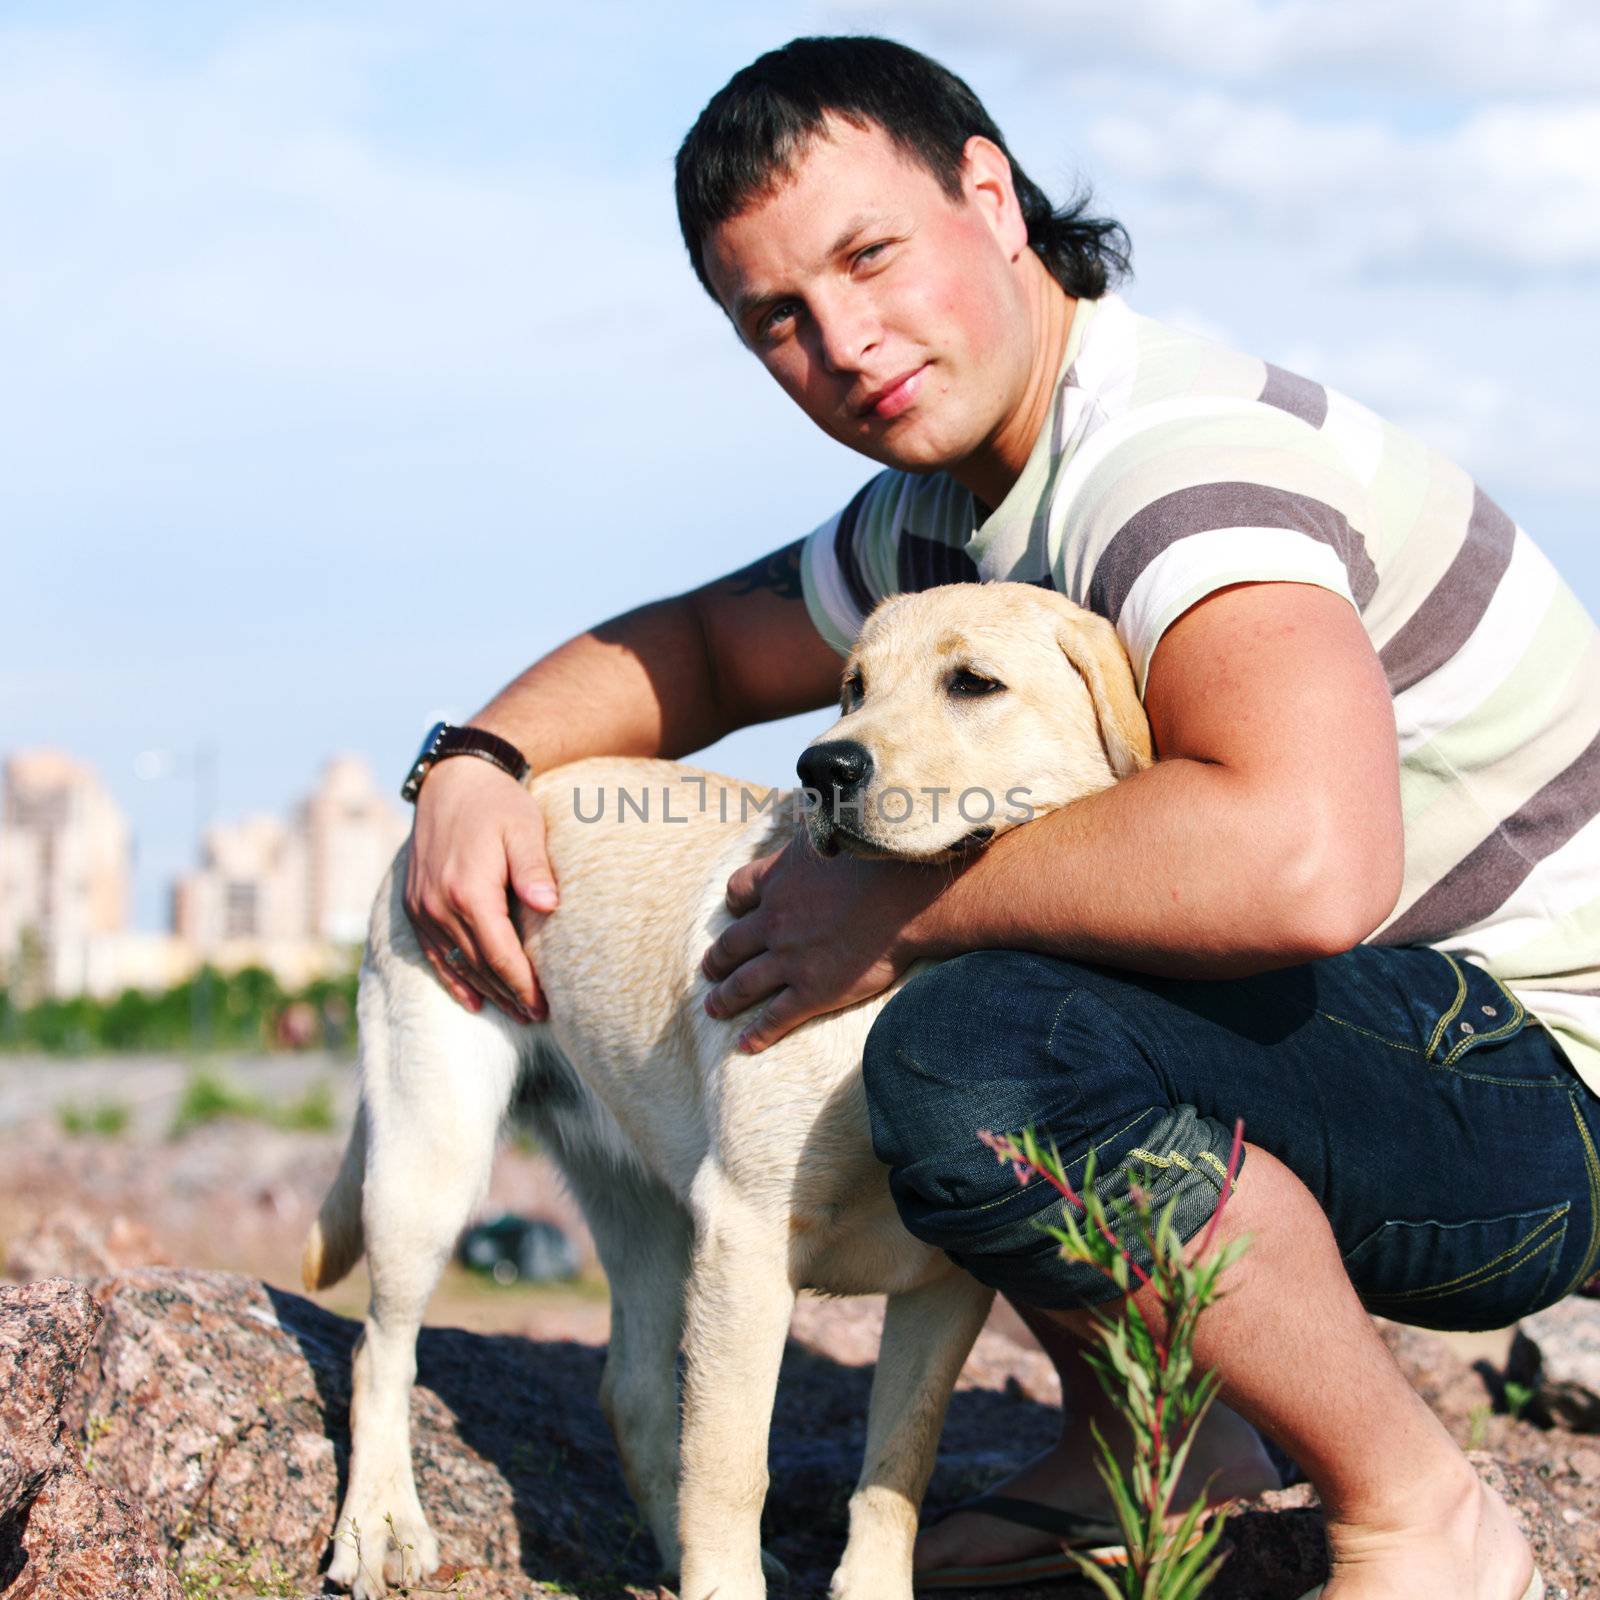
(1482, 1012)
(1462, 1276)
(1434, 1005)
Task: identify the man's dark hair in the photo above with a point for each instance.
(759, 123)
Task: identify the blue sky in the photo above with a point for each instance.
(352, 359)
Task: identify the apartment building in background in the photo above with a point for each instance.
(252, 885)
(65, 873)
(289, 894)
(351, 832)
(292, 894)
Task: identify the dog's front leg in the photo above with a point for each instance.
(739, 1307)
(927, 1333)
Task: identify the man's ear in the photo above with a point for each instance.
(1091, 644)
(987, 183)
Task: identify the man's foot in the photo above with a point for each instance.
(1227, 1450)
(1458, 1539)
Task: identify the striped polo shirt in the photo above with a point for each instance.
(1170, 467)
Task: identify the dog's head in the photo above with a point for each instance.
(966, 710)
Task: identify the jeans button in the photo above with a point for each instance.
(1466, 1027)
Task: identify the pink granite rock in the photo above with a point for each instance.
(219, 1407)
(64, 1534)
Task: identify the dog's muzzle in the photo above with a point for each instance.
(835, 774)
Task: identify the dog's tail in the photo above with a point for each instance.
(336, 1241)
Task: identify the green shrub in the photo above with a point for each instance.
(209, 1096)
(313, 1112)
(106, 1118)
(212, 1010)
(1150, 1381)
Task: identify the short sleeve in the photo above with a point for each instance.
(849, 563)
(1187, 504)
(902, 533)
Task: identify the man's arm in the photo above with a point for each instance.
(1269, 833)
(666, 679)
(676, 675)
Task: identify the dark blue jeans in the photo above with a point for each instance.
(1440, 1128)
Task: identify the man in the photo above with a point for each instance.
(1295, 581)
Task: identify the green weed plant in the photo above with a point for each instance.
(1151, 1381)
(209, 1097)
(213, 1010)
(223, 1575)
(105, 1118)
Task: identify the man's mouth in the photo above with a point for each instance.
(895, 396)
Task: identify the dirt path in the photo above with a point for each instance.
(239, 1193)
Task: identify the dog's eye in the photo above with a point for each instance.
(854, 691)
(968, 685)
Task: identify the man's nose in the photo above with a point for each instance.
(846, 333)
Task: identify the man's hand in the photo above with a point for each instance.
(813, 935)
(479, 837)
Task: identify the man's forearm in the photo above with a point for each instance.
(641, 684)
(674, 676)
(1183, 870)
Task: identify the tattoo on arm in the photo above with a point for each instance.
(779, 573)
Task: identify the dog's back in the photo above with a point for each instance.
(647, 847)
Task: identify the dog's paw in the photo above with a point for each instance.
(346, 1563)
(878, 1586)
(870, 1574)
(374, 1554)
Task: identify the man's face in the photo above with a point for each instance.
(892, 315)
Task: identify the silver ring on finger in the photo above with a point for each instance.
(455, 955)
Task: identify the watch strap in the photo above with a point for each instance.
(445, 740)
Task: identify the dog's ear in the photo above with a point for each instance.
(1091, 644)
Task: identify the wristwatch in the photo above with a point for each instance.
(444, 741)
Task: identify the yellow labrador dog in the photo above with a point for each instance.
(717, 1184)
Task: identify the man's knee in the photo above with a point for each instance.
(972, 1045)
(1002, 1040)
(941, 1059)
(924, 1045)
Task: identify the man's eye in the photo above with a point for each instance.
(774, 319)
(966, 684)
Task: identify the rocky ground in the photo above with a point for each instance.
(175, 1422)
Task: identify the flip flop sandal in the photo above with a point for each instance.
(1534, 1591)
(1097, 1538)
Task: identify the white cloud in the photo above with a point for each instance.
(1502, 47)
(1509, 186)
(235, 211)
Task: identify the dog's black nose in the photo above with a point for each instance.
(835, 767)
